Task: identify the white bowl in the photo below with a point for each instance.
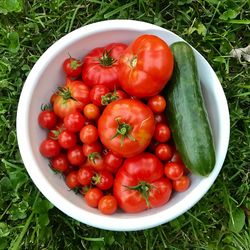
(47, 74)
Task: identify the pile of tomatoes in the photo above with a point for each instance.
(107, 132)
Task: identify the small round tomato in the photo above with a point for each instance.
(73, 122)
(85, 174)
(76, 156)
(89, 134)
(164, 151)
(174, 170)
(91, 111)
(103, 179)
(67, 139)
(112, 162)
(72, 67)
(60, 163)
(160, 118)
(47, 119)
(93, 196)
(107, 204)
(162, 132)
(49, 148)
(96, 94)
(96, 161)
(71, 180)
(91, 148)
(182, 184)
(157, 104)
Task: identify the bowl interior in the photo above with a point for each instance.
(47, 75)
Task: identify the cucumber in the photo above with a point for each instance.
(187, 114)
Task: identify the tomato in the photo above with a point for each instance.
(93, 196)
(100, 66)
(126, 127)
(139, 184)
(182, 184)
(114, 96)
(160, 118)
(91, 111)
(60, 163)
(162, 132)
(89, 134)
(73, 122)
(107, 204)
(145, 66)
(91, 148)
(76, 156)
(164, 151)
(103, 179)
(49, 148)
(47, 119)
(67, 139)
(71, 180)
(96, 161)
(85, 174)
(73, 96)
(72, 67)
(157, 104)
(96, 94)
(174, 170)
(112, 162)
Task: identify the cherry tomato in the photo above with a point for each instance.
(67, 139)
(47, 119)
(164, 151)
(71, 180)
(85, 174)
(60, 162)
(162, 132)
(112, 162)
(93, 196)
(96, 94)
(72, 67)
(92, 148)
(89, 134)
(157, 104)
(91, 111)
(103, 179)
(160, 118)
(73, 122)
(181, 184)
(107, 204)
(49, 148)
(96, 161)
(174, 170)
(76, 156)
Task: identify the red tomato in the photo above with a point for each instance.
(67, 139)
(71, 180)
(85, 174)
(157, 104)
(160, 118)
(181, 184)
(91, 111)
(174, 170)
(145, 66)
(126, 127)
(107, 204)
(73, 96)
(112, 162)
(103, 179)
(139, 184)
(100, 66)
(96, 161)
(162, 132)
(76, 156)
(73, 122)
(89, 134)
(93, 196)
(96, 94)
(91, 148)
(72, 67)
(49, 148)
(47, 119)
(164, 152)
(60, 163)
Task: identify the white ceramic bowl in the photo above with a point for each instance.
(42, 81)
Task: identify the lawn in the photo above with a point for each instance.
(221, 219)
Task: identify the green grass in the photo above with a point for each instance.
(221, 219)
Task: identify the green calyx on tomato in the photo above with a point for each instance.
(74, 64)
(65, 93)
(93, 156)
(106, 59)
(109, 97)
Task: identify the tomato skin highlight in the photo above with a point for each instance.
(164, 151)
(47, 119)
(71, 180)
(182, 184)
(93, 196)
(76, 156)
(67, 139)
(60, 163)
(49, 148)
(107, 204)
(72, 67)
(162, 132)
(73, 122)
(174, 170)
(89, 134)
(157, 104)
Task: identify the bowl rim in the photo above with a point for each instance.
(102, 221)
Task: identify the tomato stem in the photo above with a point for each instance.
(106, 59)
(109, 97)
(65, 93)
(133, 62)
(92, 156)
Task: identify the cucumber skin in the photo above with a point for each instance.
(187, 114)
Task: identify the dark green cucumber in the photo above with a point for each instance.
(187, 114)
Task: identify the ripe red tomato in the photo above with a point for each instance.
(73, 122)
(107, 204)
(112, 162)
(157, 104)
(182, 184)
(126, 127)
(47, 119)
(100, 66)
(96, 94)
(71, 180)
(96, 161)
(93, 196)
(145, 66)
(103, 179)
(139, 184)
(60, 163)
(72, 67)
(49, 148)
(174, 170)
(91, 111)
(67, 139)
(164, 151)
(160, 118)
(92, 148)
(85, 174)
(89, 134)
(162, 132)
(76, 156)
